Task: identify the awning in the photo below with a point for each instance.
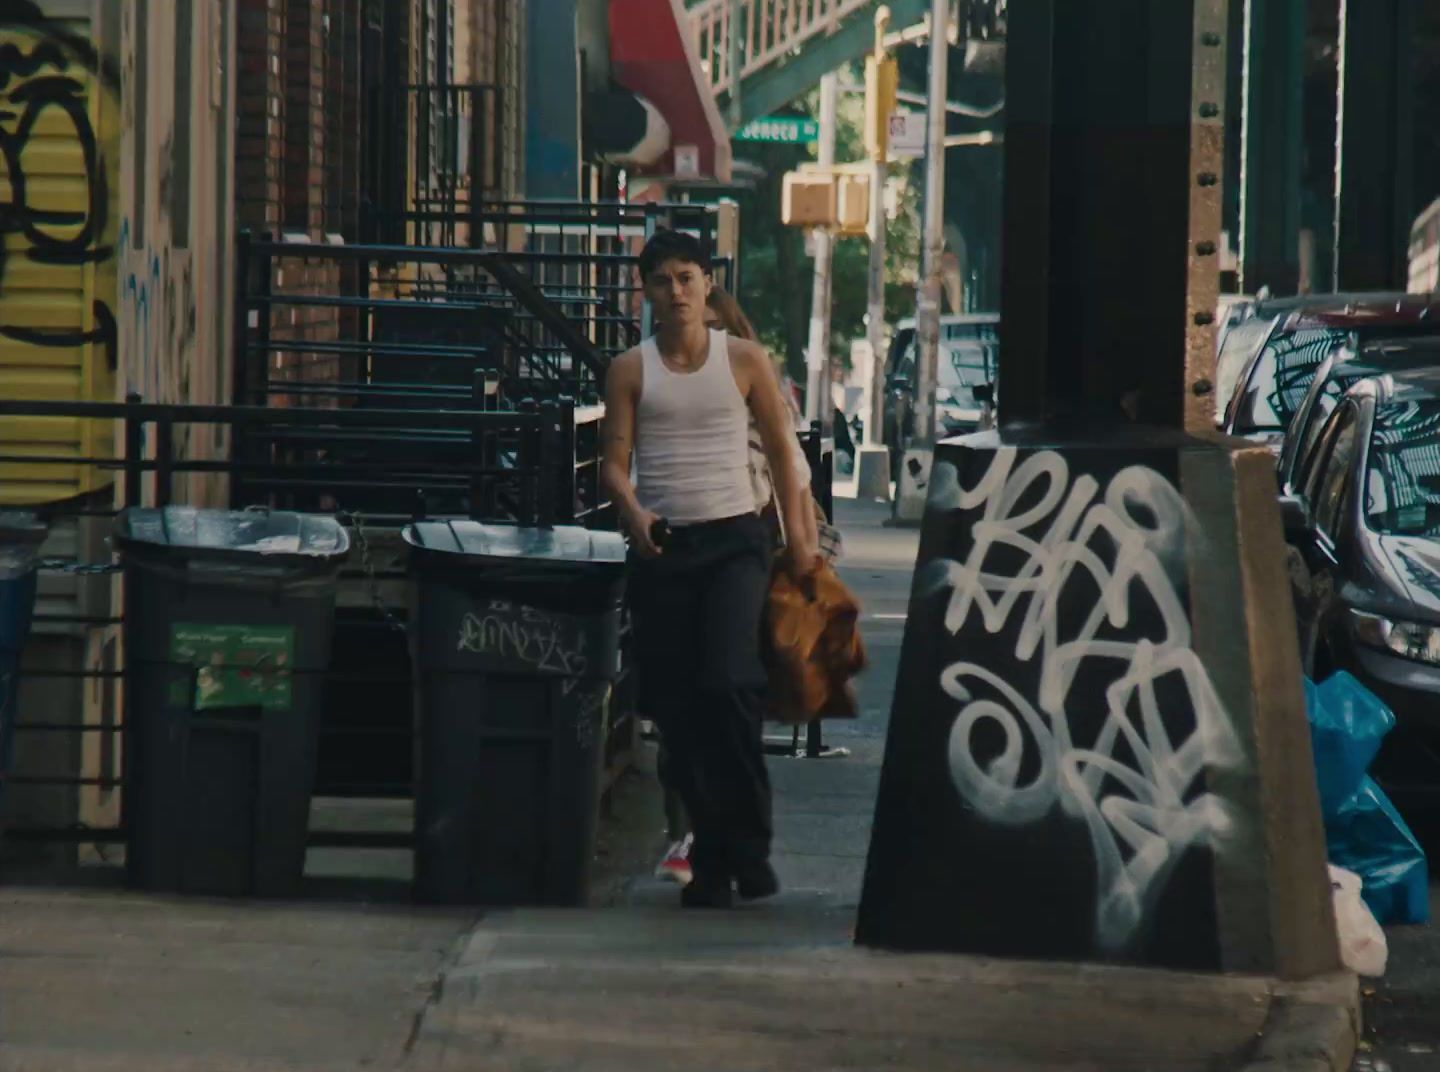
(651, 55)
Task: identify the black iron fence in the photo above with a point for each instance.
(579, 254)
(582, 256)
(518, 466)
(378, 326)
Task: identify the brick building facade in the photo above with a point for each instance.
(331, 148)
(291, 58)
(497, 48)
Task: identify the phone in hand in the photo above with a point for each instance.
(659, 532)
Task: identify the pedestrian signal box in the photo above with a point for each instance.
(807, 199)
(852, 203)
(837, 200)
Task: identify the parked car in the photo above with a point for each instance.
(1340, 371)
(1278, 375)
(1365, 521)
(969, 356)
(1231, 310)
(1247, 328)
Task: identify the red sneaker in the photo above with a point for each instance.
(675, 866)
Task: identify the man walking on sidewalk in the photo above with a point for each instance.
(700, 558)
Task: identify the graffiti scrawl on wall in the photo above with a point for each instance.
(1053, 721)
(48, 141)
(58, 335)
(1138, 784)
(45, 83)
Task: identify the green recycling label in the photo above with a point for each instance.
(237, 665)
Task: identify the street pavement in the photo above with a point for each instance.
(1402, 1011)
(104, 979)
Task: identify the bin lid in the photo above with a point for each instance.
(21, 528)
(563, 544)
(21, 534)
(275, 534)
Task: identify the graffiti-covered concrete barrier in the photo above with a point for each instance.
(1098, 748)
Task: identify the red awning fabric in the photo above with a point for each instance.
(652, 56)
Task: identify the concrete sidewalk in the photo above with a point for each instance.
(780, 988)
(111, 980)
(780, 985)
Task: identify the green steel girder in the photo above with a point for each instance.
(1375, 198)
(778, 85)
(1272, 131)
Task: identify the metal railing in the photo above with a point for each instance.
(387, 323)
(582, 257)
(381, 326)
(436, 155)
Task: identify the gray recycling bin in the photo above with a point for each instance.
(514, 647)
(228, 621)
(21, 535)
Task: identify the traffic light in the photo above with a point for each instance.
(882, 82)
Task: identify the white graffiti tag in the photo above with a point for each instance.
(541, 643)
(1043, 540)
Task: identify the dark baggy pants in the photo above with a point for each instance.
(697, 615)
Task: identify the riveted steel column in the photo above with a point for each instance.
(1101, 165)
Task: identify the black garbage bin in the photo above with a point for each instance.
(21, 535)
(514, 648)
(228, 621)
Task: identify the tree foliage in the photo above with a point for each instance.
(776, 273)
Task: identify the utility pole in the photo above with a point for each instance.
(734, 56)
(915, 469)
(872, 465)
(875, 311)
(818, 406)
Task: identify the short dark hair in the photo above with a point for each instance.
(667, 245)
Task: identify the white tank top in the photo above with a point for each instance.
(691, 442)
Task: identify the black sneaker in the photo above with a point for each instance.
(705, 893)
(756, 882)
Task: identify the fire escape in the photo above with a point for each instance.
(760, 55)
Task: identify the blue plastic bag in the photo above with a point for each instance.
(1347, 723)
(1368, 836)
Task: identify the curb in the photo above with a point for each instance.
(1311, 1027)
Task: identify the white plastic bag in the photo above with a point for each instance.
(1362, 943)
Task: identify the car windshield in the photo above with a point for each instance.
(1280, 378)
(1402, 473)
(968, 366)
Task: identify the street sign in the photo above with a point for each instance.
(687, 161)
(907, 135)
(783, 129)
